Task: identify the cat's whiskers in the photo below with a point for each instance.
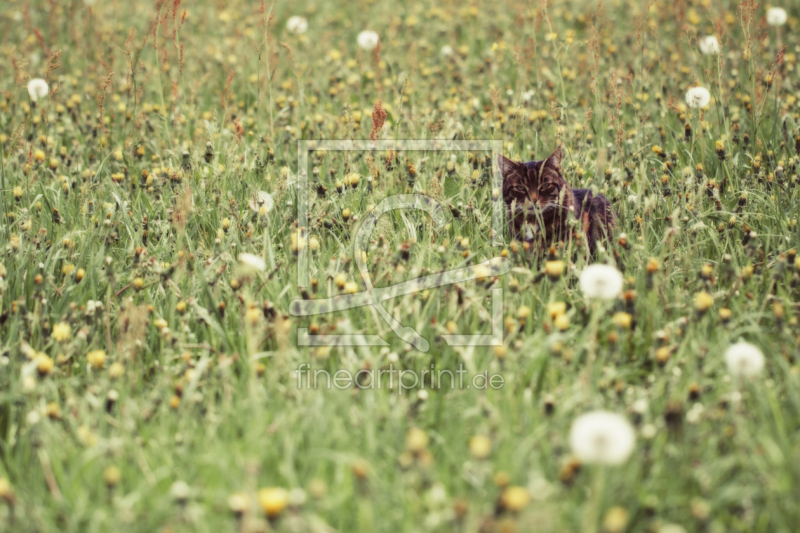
(528, 209)
(552, 206)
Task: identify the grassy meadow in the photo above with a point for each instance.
(149, 237)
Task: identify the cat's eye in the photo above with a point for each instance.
(548, 189)
(519, 192)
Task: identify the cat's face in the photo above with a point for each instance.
(536, 193)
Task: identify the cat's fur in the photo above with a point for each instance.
(539, 203)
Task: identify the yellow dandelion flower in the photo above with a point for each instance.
(622, 320)
(351, 287)
(514, 499)
(554, 269)
(480, 446)
(62, 332)
(96, 358)
(561, 322)
(44, 364)
(112, 476)
(253, 316)
(703, 301)
(116, 370)
(556, 309)
(417, 440)
(273, 500)
(616, 520)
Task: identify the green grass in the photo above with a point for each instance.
(213, 400)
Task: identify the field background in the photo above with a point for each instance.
(195, 406)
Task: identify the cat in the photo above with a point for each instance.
(539, 202)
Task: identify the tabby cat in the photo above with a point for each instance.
(539, 202)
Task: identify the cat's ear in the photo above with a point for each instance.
(554, 161)
(509, 168)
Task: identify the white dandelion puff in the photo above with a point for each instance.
(296, 25)
(776, 16)
(368, 40)
(447, 50)
(744, 359)
(93, 306)
(709, 45)
(261, 199)
(253, 262)
(694, 414)
(649, 431)
(698, 97)
(640, 406)
(37, 88)
(33, 418)
(672, 528)
(602, 437)
(180, 490)
(601, 281)
(297, 497)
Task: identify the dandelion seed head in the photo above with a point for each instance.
(33, 418)
(709, 45)
(649, 431)
(776, 16)
(180, 491)
(744, 359)
(599, 281)
(698, 97)
(296, 25)
(368, 40)
(37, 88)
(602, 437)
(671, 528)
(261, 200)
(253, 262)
